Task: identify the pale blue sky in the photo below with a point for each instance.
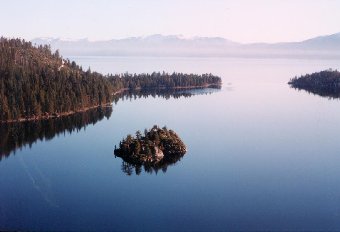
(238, 20)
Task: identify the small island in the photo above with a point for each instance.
(325, 83)
(156, 146)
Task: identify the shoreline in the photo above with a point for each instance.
(65, 114)
(55, 115)
(173, 88)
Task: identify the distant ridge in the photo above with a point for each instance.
(175, 45)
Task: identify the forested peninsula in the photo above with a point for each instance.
(325, 83)
(36, 83)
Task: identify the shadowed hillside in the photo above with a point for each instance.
(36, 83)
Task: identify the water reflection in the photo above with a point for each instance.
(129, 168)
(326, 93)
(164, 93)
(16, 135)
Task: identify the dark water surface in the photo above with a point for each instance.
(261, 156)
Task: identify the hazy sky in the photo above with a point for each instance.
(238, 20)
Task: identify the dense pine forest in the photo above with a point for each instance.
(157, 80)
(34, 81)
(325, 83)
(37, 83)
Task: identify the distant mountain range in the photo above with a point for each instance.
(159, 45)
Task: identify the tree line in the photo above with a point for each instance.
(36, 82)
(325, 83)
(162, 80)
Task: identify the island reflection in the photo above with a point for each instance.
(14, 136)
(329, 94)
(132, 168)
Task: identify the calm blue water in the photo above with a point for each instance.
(261, 156)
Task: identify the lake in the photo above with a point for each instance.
(261, 156)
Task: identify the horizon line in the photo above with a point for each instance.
(179, 36)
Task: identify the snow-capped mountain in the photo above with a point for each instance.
(177, 45)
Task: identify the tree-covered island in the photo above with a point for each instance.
(36, 83)
(156, 145)
(325, 83)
